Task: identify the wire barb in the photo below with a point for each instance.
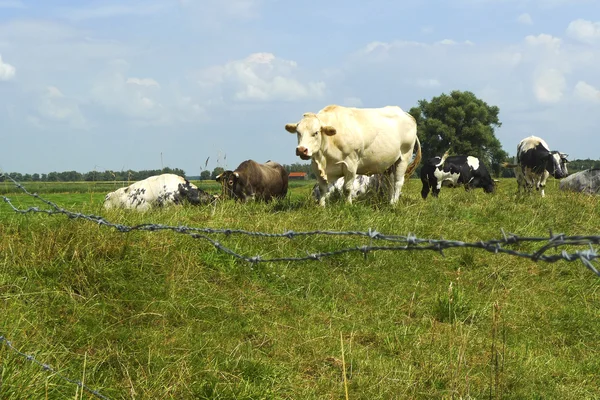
(409, 242)
(48, 368)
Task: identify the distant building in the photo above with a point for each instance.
(297, 175)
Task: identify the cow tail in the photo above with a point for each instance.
(413, 166)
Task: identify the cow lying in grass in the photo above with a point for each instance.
(157, 191)
(361, 186)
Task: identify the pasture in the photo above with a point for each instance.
(155, 315)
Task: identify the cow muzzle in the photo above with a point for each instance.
(302, 152)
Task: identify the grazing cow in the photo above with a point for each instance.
(254, 181)
(535, 163)
(157, 191)
(587, 181)
(363, 184)
(453, 171)
(346, 141)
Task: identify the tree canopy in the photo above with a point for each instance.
(461, 123)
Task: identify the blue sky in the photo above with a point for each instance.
(102, 85)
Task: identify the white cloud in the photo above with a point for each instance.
(258, 77)
(531, 73)
(549, 85)
(7, 71)
(43, 48)
(142, 101)
(587, 92)
(142, 82)
(112, 10)
(525, 19)
(54, 106)
(132, 100)
(548, 41)
(584, 31)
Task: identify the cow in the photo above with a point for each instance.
(535, 163)
(346, 141)
(586, 181)
(453, 171)
(255, 181)
(363, 184)
(157, 191)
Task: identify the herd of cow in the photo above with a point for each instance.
(353, 151)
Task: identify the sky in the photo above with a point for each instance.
(118, 85)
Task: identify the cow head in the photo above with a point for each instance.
(195, 195)
(557, 164)
(310, 134)
(490, 186)
(229, 183)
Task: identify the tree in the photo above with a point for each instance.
(205, 175)
(462, 124)
(217, 171)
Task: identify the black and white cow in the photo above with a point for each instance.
(157, 191)
(452, 171)
(362, 185)
(535, 163)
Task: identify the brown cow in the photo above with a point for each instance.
(254, 181)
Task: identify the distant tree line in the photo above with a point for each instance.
(92, 176)
(129, 175)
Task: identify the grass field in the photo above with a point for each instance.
(157, 315)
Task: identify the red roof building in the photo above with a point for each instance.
(297, 175)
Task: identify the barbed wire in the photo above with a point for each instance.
(403, 242)
(46, 367)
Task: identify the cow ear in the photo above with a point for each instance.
(328, 130)
(218, 178)
(291, 128)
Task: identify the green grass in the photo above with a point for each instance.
(157, 315)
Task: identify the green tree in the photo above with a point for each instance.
(205, 175)
(462, 124)
(216, 172)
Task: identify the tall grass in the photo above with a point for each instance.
(162, 315)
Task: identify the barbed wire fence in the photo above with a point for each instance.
(48, 368)
(408, 242)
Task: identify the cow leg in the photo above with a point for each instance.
(323, 190)
(425, 189)
(390, 183)
(349, 177)
(435, 189)
(399, 171)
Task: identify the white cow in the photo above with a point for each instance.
(157, 191)
(363, 184)
(346, 141)
(535, 163)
